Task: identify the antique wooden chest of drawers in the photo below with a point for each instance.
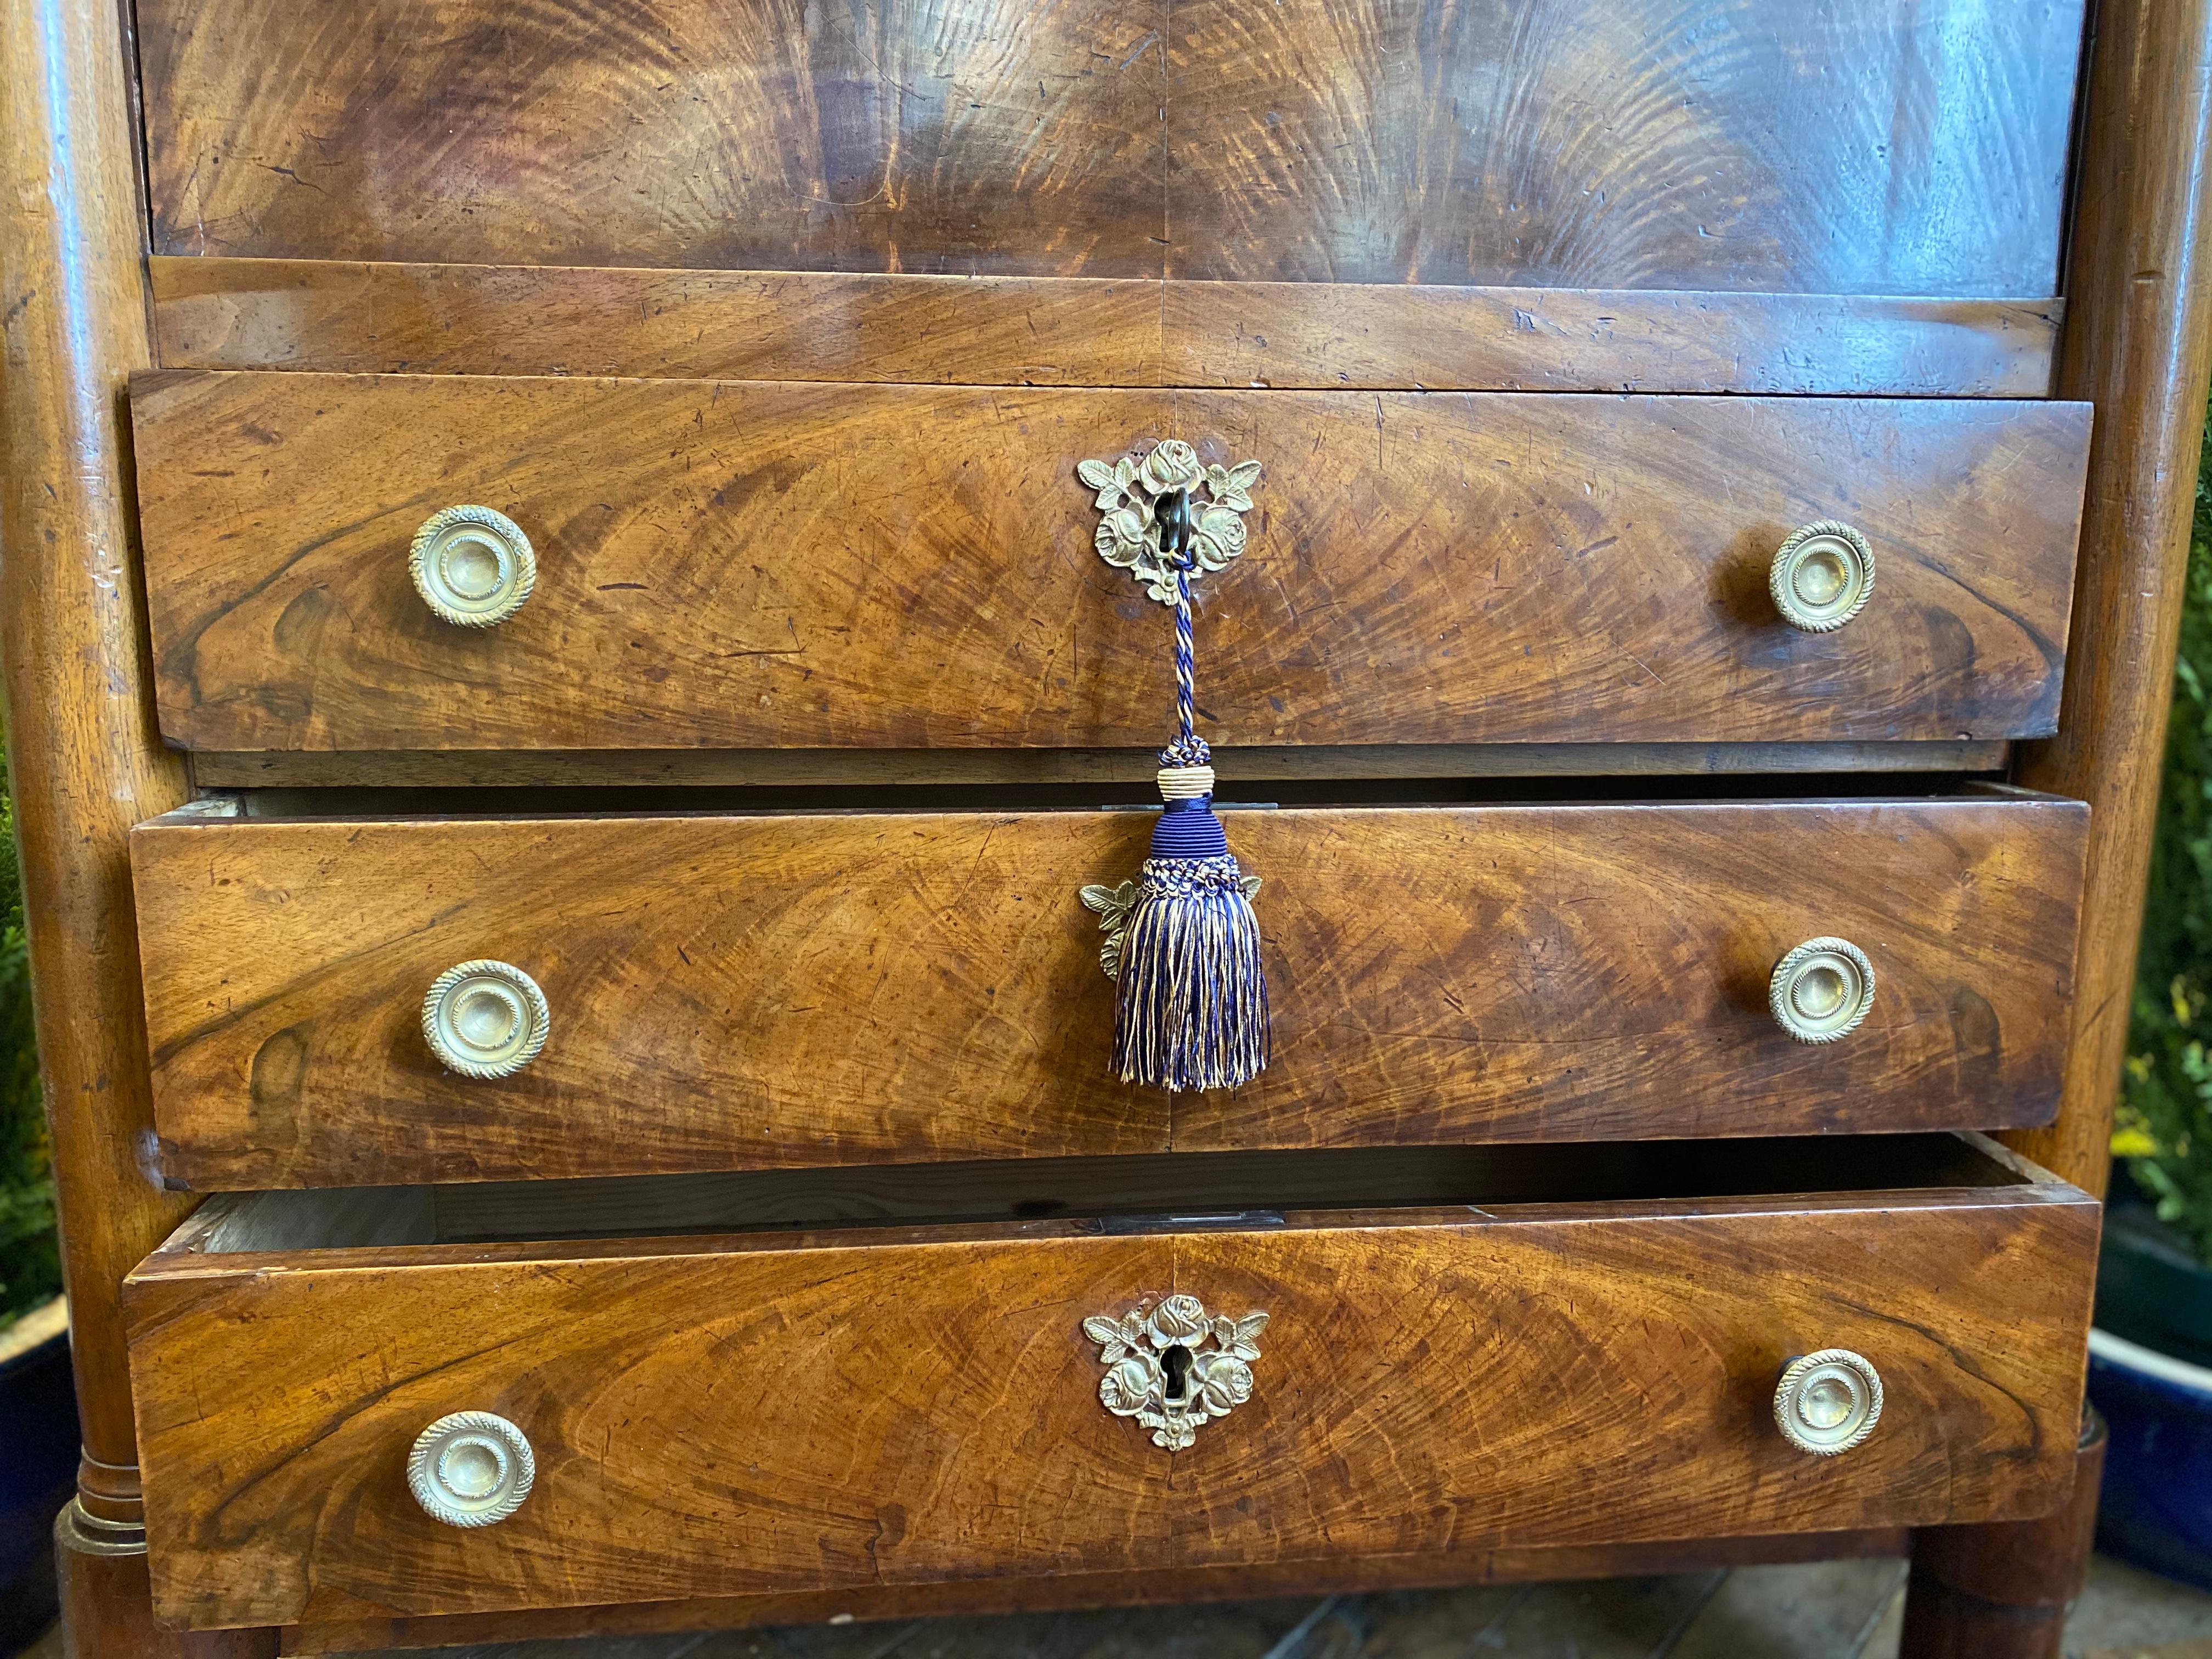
(585, 629)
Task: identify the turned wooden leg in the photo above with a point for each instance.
(88, 762)
(108, 1610)
(2000, 1591)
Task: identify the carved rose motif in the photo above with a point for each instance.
(1219, 538)
(1128, 1386)
(1209, 1378)
(1178, 1319)
(1172, 464)
(1128, 491)
(1121, 535)
(1222, 1381)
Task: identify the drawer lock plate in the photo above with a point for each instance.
(1174, 1366)
(1141, 496)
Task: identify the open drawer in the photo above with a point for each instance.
(733, 990)
(684, 565)
(1525, 1345)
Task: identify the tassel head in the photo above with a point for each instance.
(1192, 1010)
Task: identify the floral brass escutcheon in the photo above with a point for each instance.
(1129, 491)
(1113, 905)
(1161, 1369)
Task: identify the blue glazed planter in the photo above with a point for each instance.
(2156, 1510)
(2150, 1374)
(38, 1473)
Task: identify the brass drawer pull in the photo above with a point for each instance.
(1174, 1366)
(1822, 577)
(1827, 1402)
(1821, 990)
(485, 1019)
(473, 566)
(471, 1469)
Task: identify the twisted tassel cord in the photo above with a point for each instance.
(1186, 663)
(1187, 750)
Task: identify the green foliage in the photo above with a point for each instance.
(2164, 1122)
(30, 1254)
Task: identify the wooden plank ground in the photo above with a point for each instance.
(1849, 1610)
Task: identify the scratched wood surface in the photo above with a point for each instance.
(730, 992)
(356, 318)
(779, 566)
(1428, 1380)
(1881, 147)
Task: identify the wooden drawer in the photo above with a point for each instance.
(753, 566)
(727, 992)
(720, 1415)
(1885, 147)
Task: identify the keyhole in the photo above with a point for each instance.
(1176, 1362)
(1173, 511)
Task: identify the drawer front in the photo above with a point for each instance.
(724, 1417)
(1914, 147)
(737, 992)
(801, 567)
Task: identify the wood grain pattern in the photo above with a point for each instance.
(2141, 349)
(347, 318)
(791, 566)
(905, 135)
(1859, 149)
(85, 762)
(1887, 148)
(1328, 335)
(746, 992)
(736, 1415)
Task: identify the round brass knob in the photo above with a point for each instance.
(471, 1469)
(1822, 577)
(1821, 990)
(485, 1019)
(1827, 1402)
(472, 566)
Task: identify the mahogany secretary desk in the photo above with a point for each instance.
(564, 693)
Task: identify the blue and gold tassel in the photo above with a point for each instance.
(1193, 1007)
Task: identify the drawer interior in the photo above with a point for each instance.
(1168, 1193)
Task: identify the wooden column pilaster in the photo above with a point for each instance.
(86, 761)
(2138, 345)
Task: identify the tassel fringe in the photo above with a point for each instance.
(1193, 1009)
